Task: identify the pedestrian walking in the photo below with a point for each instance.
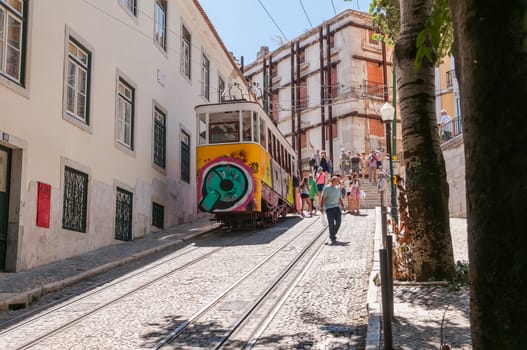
(355, 195)
(330, 202)
(372, 167)
(382, 187)
(304, 195)
(314, 162)
(313, 191)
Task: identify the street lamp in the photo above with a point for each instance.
(387, 114)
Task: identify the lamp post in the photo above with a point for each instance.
(387, 114)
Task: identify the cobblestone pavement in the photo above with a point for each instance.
(428, 315)
(327, 309)
(329, 306)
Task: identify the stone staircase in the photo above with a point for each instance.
(373, 198)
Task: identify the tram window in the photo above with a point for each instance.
(256, 127)
(246, 126)
(224, 127)
(202, 128)
(269, 142)
(275, 149)
(262, 132)
(282, 156)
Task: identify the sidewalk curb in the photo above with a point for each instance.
(25, 298)
(373, 304)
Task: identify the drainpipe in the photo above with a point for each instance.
(293, 111)
(322, 97)
(298, 111)
(330, 101)
(265, 80)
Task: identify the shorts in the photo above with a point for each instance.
(304, 195)
(320, 187)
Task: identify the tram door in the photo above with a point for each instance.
(5, 159)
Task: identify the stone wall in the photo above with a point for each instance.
(454, 154)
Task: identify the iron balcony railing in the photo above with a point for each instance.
(451, 129)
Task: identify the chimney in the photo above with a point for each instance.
(264, 51)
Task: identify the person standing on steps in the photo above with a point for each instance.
(330, 202)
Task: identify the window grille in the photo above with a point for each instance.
(75, 200)
(123, 215)
(159, 138)
(185, 157)
(158, 215)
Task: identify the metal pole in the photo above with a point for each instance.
(395, 215)
(392, 183)
(384, 229)
(386, 317)
(389, 254)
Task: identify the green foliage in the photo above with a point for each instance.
(434, 42)
(461, 277)
(386, 20)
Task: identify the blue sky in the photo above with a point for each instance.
(244, 26)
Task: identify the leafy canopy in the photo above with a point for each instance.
(434, 42)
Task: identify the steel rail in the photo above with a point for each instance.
(185, 324)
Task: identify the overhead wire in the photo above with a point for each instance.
(305, 13)
(272, 19)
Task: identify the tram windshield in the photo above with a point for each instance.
(224, 127)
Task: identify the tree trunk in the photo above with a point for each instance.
(491, 64)
(427, 188)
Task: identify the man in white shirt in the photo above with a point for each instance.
(446, 124)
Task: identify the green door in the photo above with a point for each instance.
(5, 158)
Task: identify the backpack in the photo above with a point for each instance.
(312, 162)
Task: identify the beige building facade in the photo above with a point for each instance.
(97, 121)
(324, 89)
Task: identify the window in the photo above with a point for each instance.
(77, 81)
(374, 85)
(221, 89)
(158, 215)
(75, 200)
(202, 128)
(246, 126)
(303, 140)
(123, 215)
(275, 105)
(205, 77)
(333, 84)
(125, 114)
(159, 138)
(161, 23)
(303, 94)
(301, 56)
(262, 133)
(12, 29)
(185, 157)
(130, 5)
(224, 127)
(185, 52)
(333, 130)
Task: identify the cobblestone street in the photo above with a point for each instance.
(325, 310)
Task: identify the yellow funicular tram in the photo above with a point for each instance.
(244, 165)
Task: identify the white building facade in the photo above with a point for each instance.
(324, 89)
(97, 121)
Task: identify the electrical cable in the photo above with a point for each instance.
(305, 13)
(272, 19)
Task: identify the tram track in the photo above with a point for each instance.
(102, 287)
(185, 329)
